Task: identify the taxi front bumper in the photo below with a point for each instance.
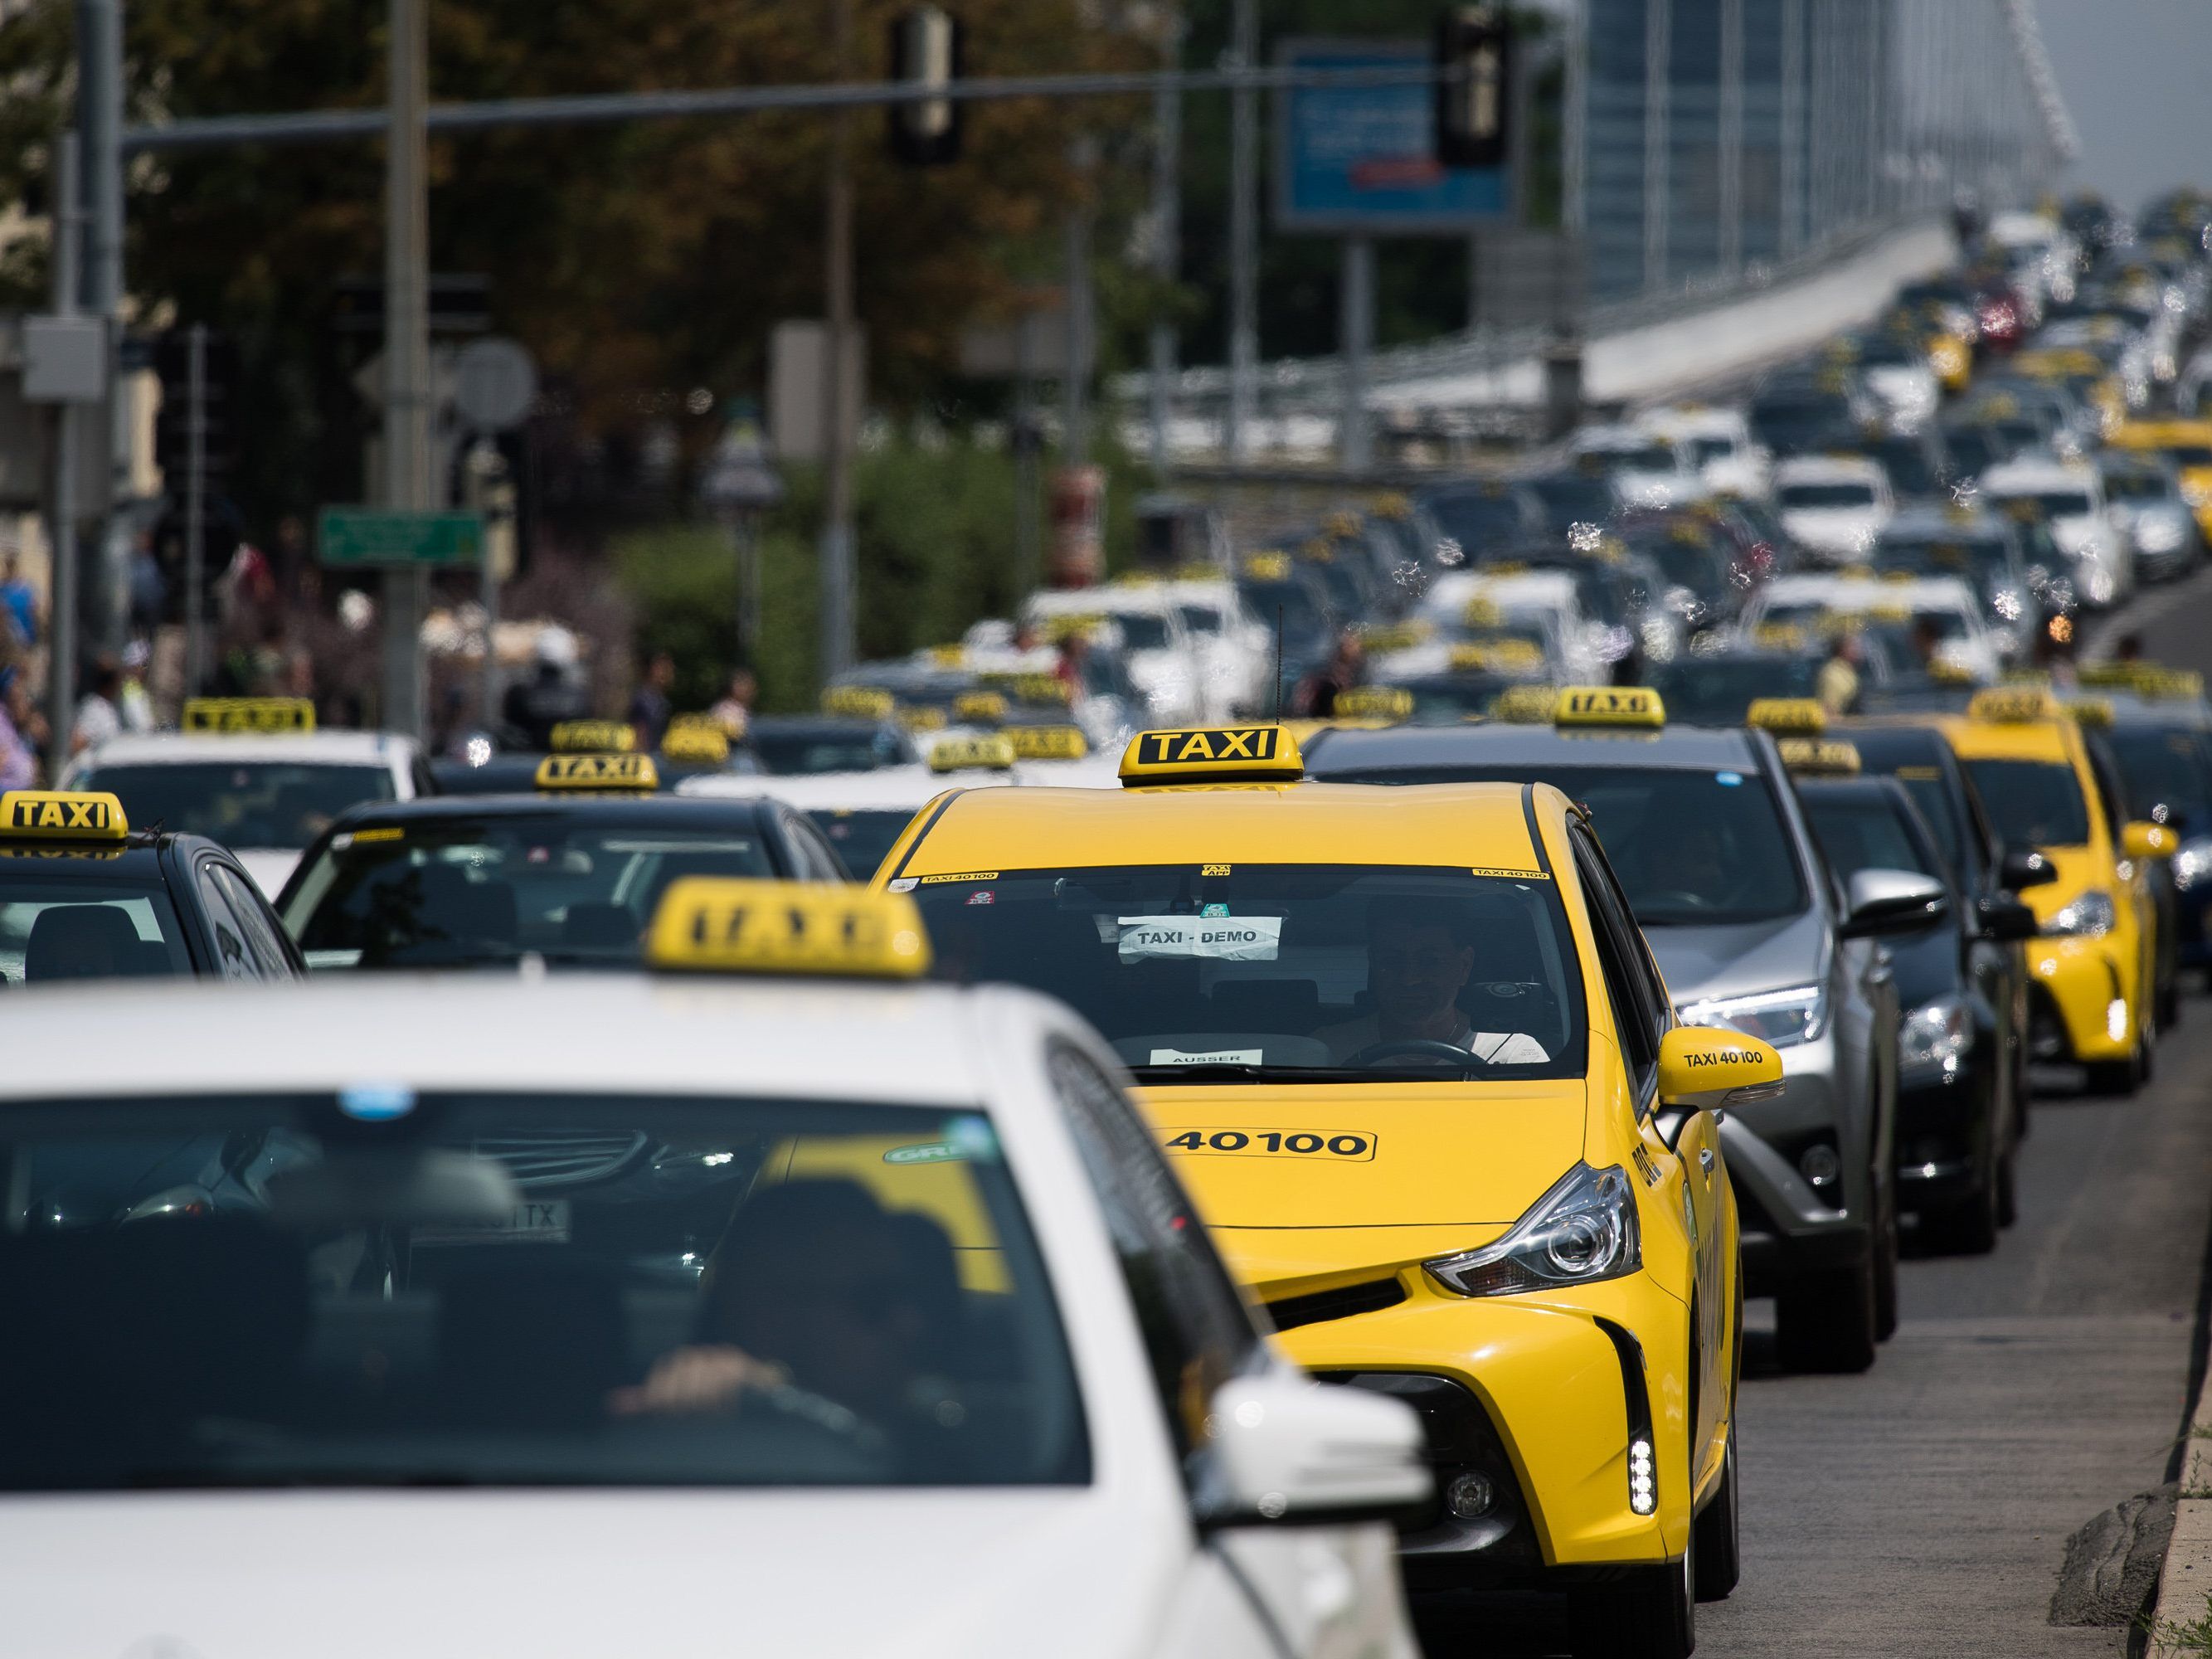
(2085, 998)
(1541, 1398)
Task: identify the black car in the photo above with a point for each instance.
(82, 896)
(2162, 751)
(806, 745)
(483, 880)
(1478, 516)
(1719, 687)
(1572, 497)
(1959, 1052)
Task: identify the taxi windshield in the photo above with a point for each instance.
(862, 837)
(1719, 690)
(532, 1289)
(1325, 973)
(54, 927)
(1692, 849)
(1860, 830)
(2032, 803)
(275, 804)
(467, 892)
(2168, 769)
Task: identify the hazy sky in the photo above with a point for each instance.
(2137, 75)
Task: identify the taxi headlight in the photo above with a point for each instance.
(2090, 916)
(1935, 1036)
(1581, 1232)
(1784, 1018)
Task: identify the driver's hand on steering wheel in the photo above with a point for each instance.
(694, 1381)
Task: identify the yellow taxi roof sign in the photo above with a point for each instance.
(592, 738)
(1212, 754)
(922, 717)
(1505, 656)
(61, 815)
(713, 924)
(860, 702)
(1525, 705)
(1271, 567)
(696, 746)
(1780, 636)
(577, 774)
(1388, 702)
(2013, 705)
(980, 708)
(1037, 743)
(1033, 688)
(1828, 757)
(994, 753)
(1801, 716)
(1610, 705)
(257, 714)
(2096, 713)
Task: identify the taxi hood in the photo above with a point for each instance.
(1350, 1157)
(570, 1575)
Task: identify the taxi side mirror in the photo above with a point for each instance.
(1703, 1069)
(2144, 840)
(1289, 1451)
(1878, 902)
(2024, 868)
(2007, 921)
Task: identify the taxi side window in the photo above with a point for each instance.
(1196, 1330)
(1629, 982)
(233, 959)
(811, 853)
(262, 937)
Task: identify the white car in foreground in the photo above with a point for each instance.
(265, 794)
(2069, 497)
(1833, 506)
(688, 1316)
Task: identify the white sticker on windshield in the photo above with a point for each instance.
(1217, 939)
(1207, 1057)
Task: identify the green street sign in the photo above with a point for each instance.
(372, 536)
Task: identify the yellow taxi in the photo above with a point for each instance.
(1411, 1055)
(2092, 967)
(2188, 445)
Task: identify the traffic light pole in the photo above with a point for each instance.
(61, 639)
(406, 358)
(196, 510)
(836, 553)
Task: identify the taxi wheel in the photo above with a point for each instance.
(1826, 1321)
(1884, 1273)
(1719, 1561)
(1969, 1227)
(2119, 1077)
(2008, 1188)
(1653, 1616)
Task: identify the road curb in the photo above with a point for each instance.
(2185, 1580)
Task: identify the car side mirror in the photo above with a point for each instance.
(2144, 840)
(1877, 902)
(1705, 1068)
(1289, 1451)
(2023, 868)
(2006, 920)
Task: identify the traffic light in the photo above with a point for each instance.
(218, 406)
(1474, 99)
(925, 54)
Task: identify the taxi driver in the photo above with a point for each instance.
(1420, 958)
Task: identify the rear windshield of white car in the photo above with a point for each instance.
(253, 803)
(1824, 495)
(1140, 632)
(383, 1290)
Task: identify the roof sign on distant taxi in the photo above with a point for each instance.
(592, 737)
(622, 773)
(1525, 705)
(861, 702)
(980, 708)
(1818, 757)
(1031, 687)
(1040, 742)
(2013, 705)
(285, 715)
(1610, 705)
(1388, 702)
(695, 745)
(61, 815)
(992, 754)
(2096, 713)
(1266, 567)
(713, 924)
(1215, 754)
(922, 717)
(1805, 716)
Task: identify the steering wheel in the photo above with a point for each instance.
(1412, 1048)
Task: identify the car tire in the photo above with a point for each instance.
(2117, 1079)
(1826, 1321)
(1652, 1614)
(1719, 1558)
(1970, 1227)
(2008, 1188)
(1884, 1273)
(2169, 1004)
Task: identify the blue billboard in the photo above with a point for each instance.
(1361, 160)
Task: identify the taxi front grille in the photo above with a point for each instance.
(560, 1158)
(1342, 1302)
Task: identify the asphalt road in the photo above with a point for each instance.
(1922, 1508)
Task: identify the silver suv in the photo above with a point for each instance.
(1751, 931)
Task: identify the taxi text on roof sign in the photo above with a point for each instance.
(1802, 715)
(61, 815)
(1388, 702)
(980, 708)
(592, 737)
(995, 754)
(2096, 713)
(1610, 705)
(1036, 743)
(1215, 754)
(695, 745)
(1524, 705)
(863, 702)
(612, 772)
(921, 718)
(2013, 705)
(1818, 757)
(715, 924)
(265, 715)
(1032, 687)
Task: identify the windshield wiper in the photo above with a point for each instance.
(1232, 1072)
